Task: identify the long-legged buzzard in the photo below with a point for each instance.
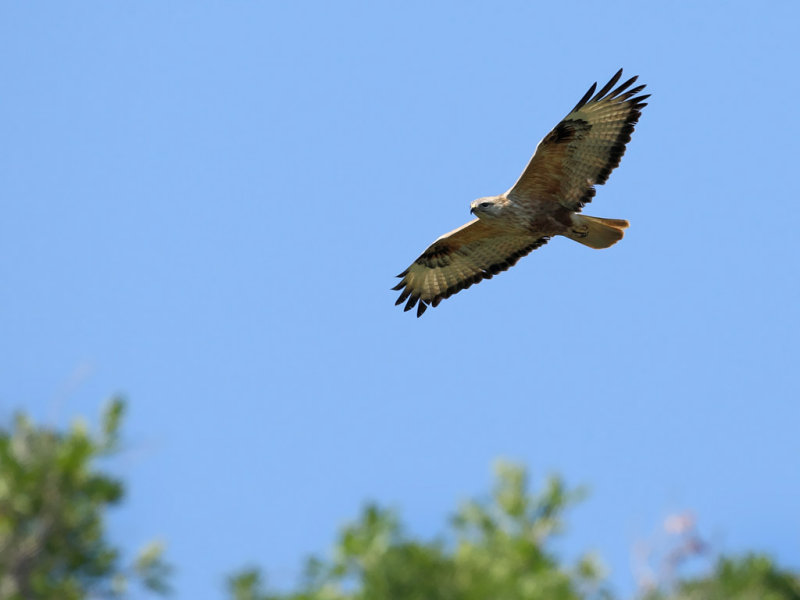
(579, 153)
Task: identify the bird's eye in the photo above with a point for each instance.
(485, 204)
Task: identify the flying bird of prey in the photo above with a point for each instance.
(579, 153)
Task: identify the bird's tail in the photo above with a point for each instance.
(596, 232)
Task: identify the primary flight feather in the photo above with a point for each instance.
(579, 153)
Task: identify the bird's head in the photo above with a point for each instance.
(486, 207)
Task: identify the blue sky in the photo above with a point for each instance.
(205, 205)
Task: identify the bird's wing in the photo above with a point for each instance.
(455, 261)
(583, 149)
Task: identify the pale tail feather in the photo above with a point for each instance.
(596, 232)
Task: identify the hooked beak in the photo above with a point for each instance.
(472, 210)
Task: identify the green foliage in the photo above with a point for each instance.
(53, 544)
(502, 549)
(496, 549)
(499, 549)
(753, 577)
(52, 507)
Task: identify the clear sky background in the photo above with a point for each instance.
(205, 204)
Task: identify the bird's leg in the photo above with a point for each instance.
(581, 231)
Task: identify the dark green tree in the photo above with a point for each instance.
(53, 501)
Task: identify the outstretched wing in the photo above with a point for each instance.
(455, 261)
(583, 149)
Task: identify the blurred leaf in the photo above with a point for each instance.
(151, 568)
(110, 424)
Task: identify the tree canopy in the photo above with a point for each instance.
(54, 498)
(501, 549)
(498, 548)
(53, 503)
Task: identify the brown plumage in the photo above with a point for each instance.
(579, 153)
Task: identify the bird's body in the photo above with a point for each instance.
(536, 215)
(579, 153)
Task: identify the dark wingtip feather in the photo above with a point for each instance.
(623, 87)
(585, 98)
(606, 90)
(421, 309)
(403, 295)
(607, 87)
(633, 92)
(411, 302)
